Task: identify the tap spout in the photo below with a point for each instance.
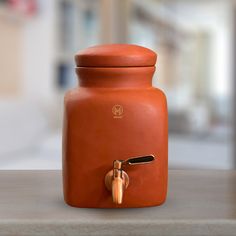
(117, 189)
(117, 181)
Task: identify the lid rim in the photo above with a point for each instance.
(116, 55)
(76, 67)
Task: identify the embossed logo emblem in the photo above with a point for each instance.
(117, 111)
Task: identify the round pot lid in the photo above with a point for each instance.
(116, 55)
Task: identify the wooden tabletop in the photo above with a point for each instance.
(199, 203)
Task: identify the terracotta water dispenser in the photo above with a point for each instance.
(115, 136)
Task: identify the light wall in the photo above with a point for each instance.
(39, 47)
(10, 60)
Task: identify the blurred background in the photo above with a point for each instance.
(195, 43)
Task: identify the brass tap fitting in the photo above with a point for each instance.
(117, 180)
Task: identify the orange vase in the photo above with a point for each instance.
(115, 136)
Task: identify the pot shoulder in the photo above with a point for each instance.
(82, 96)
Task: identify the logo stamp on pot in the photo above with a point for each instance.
(117, 111)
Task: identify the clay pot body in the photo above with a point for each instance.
(114, 114)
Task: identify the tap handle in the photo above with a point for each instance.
(139, 160)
